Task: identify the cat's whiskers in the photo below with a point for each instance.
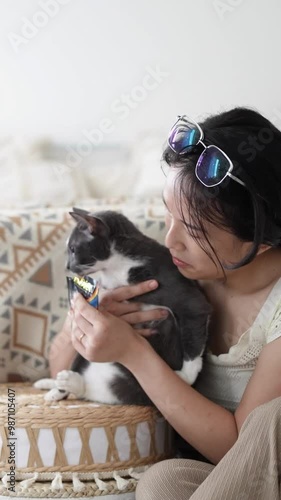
(84, 270)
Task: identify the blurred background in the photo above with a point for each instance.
(90, 89)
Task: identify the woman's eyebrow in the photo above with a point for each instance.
(188, 226)
(192, 227)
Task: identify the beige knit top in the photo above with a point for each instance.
(224, 378)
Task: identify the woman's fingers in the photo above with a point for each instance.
(120, 308)
(146, 332)
(116, 301)
(128, 292)
(100, 336)
(144, 316)
(80, 325)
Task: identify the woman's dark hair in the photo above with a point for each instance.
(252, 213)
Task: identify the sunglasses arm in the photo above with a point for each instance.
(236, 179)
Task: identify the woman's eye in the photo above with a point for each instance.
(195, 233)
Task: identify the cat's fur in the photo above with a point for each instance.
(108, 243)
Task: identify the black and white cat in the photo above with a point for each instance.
(109, 244)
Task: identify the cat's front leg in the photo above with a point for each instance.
(55, 395)
(67, 381)
(45, 383)
(190, 370)
(70, 381)
(52, 395)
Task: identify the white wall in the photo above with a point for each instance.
(62, 79)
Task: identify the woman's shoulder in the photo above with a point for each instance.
(273, 313)
(267, 326)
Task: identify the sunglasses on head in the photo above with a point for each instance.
(213, 165)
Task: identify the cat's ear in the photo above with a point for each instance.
(79, 215)
(94, 225)
(80, 211)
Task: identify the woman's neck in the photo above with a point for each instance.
(261, 273)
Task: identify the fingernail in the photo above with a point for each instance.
(153, 284)
(164, 314)
(153, 331)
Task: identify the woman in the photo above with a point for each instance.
(223, 201)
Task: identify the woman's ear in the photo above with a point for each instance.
(263, 248)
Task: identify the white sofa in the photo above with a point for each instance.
(40, 184)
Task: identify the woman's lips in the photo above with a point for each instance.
(179, 263)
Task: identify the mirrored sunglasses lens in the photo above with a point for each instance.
(212, 166)
(183, 136)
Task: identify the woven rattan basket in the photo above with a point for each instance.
(76, 448)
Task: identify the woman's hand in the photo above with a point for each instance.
(115, 302)
(100, 336)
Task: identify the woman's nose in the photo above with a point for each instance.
(172, 239)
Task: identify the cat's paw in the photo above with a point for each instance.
(45, 383)
(70, 381)
(190, 370)
(55, 395)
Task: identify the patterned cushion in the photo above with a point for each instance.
(33, 294)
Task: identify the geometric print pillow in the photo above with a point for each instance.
(33, 293)
(32, 290)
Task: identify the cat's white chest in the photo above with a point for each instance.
(116, 270)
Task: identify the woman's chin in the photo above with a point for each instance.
(188, 272)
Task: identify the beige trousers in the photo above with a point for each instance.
(251, 470)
